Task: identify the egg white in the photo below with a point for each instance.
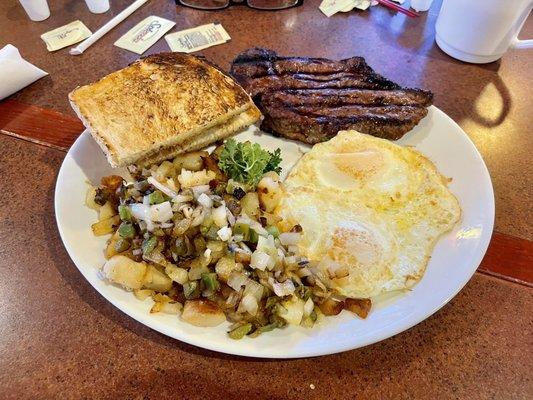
(369, 205)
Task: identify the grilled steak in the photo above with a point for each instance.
(311, 99)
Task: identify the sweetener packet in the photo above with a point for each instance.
(66, 35)
(331, 7)
(144, 35)
(199, 38)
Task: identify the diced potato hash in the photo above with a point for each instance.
(209, 248)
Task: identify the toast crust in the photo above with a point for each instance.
(207, 137)
(159, 101)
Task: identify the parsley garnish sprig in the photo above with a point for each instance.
(246, 163)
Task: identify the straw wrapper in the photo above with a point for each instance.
(107, 27)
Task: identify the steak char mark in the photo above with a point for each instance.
(311, 99)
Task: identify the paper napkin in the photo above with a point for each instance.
(15, 72)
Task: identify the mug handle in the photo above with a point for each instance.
(522, 44)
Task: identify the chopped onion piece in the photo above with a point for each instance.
(187, 210)
(198, 190)
(238, 238)
(295, 310)
(248, 304)
(198, 216)
(140, 211)
(219, 216)
(282, 289)
(253, 288)
(237, 280)
(308, 307)
(253, 224)
(182, 198)
(289, 238)
(230, 217)
(245, 248)
(232, 299)
(205, 200)
(259, 260)
(266, 243)
(158, 185)
(224, 233)
(161, 212)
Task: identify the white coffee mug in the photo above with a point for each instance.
(37, 10)
(481, 31)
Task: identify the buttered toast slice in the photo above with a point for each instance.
(161, 103)
(207, 137)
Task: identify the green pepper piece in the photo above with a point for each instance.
(273, 230)
(125, 213)
(253, 237)
(267, 328)
(271, 302)
(303, 292)
(181, 247)
(210, 281)
(240, 228)
(122, 245)
(191, 290)
(263, 329)
(277, 319)
(149, 245)
(241, 331)
(211, 233)
(157, 197)
(199, 244)
(126, 230)
(307, 322)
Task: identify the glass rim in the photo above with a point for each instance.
(230, 3)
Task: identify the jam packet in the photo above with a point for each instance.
(144, 35)
(66, 35)
(199, 38)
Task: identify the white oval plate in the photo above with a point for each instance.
(454, 260)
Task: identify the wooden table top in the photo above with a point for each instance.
(61, 339)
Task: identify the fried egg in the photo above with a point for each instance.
(371, 212)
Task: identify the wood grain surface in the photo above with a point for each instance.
(39, 125)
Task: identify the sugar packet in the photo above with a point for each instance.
(144, 35)
(331, 7)
(199, 38)
(66, 35)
